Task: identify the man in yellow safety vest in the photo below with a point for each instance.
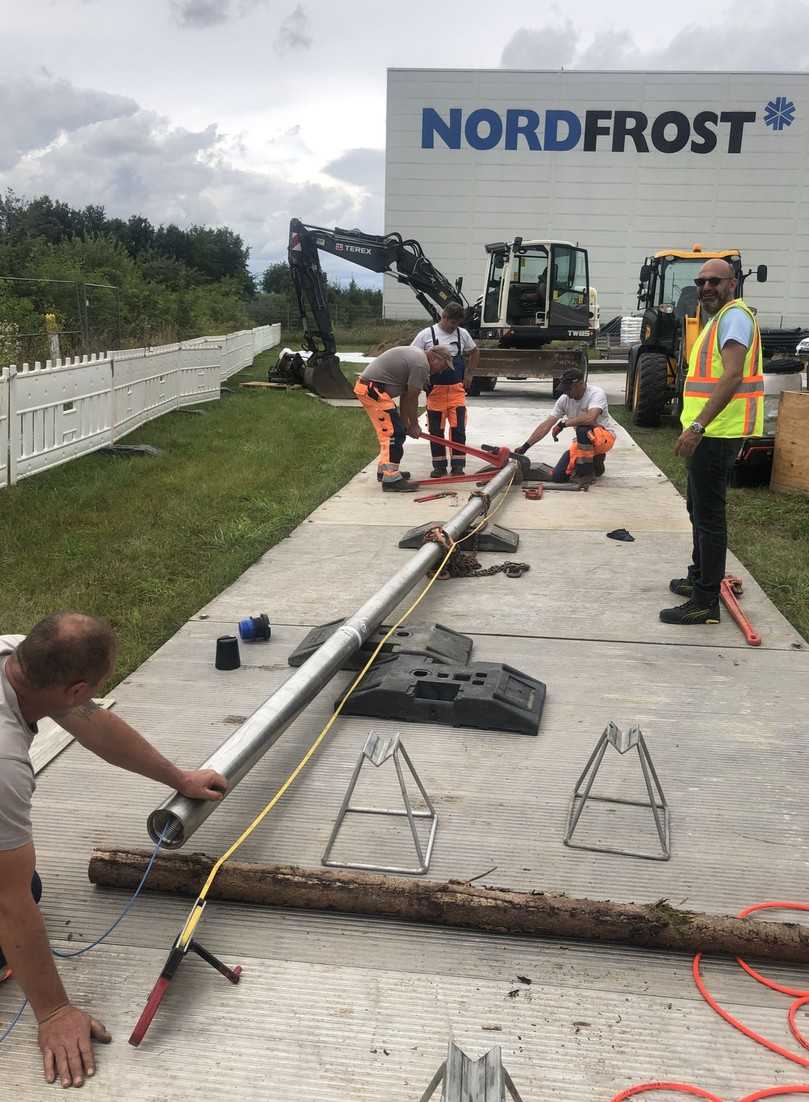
(723, 402)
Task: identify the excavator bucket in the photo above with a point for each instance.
(323, 375)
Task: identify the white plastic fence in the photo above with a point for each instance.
(55, 412)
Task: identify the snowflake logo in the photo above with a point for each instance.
(779, 112)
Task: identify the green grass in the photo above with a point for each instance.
(769, 532)
(148, 541)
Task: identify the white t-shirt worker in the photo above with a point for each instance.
(584, 409)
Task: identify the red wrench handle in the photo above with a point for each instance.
(751, 636)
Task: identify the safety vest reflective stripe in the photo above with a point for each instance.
(752, 385)
(705, 357)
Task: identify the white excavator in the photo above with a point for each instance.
(535, 292)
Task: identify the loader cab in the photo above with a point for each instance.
(535, 292)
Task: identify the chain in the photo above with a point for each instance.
(464, 564)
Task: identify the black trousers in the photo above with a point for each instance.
(458, 434)
(709, 471)
(36, 892)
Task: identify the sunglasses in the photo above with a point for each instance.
(712, 281)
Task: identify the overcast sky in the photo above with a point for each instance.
(245, 112)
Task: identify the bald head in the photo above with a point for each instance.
(67, 648)
(719, 286)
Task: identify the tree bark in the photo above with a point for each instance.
(457, 904)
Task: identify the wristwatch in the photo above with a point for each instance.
(696, 427)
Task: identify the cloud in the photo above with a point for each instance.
(36, 111)
(362, 167)
(198, 14)
(746, 36)
(294, 33)
(133, 161)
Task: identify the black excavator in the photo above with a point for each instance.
(402, 259)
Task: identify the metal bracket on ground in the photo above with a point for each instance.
(492, 537)
(377, 751)
(467, 1080)
(622, 742)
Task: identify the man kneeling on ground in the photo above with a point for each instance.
(54, 672)
(584, 408)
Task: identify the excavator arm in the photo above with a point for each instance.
(391, 254)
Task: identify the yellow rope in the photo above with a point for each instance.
(195, 914)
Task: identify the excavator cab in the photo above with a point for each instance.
(535, 292)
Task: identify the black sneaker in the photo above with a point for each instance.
(404, 474)
(438, 472)
(599, 465)
(400, 486)
(458, 470)
(696, 611)
(683, 587)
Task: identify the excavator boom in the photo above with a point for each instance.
(401, 259)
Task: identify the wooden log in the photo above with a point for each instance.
(458, 904)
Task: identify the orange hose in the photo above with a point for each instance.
(801, 999)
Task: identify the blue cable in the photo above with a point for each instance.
(79, 952)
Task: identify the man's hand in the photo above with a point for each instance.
(414, 430)
(66, 1040)
(202, 784)
(687, 443)
(557, 428)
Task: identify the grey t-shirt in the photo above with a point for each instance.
(594, 396)
(735, 325)
(16, 772)
(398, 370)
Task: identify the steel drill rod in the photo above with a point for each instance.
(178, 817)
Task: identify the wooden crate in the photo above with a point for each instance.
(790, 468)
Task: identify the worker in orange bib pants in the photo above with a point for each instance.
(446, 398)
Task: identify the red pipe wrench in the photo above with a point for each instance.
(730, 590)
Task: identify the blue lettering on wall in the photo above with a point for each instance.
(553, 140)
(522, 122)
(448, 132)
(671, 132)
(488, 118)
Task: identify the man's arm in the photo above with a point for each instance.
(65, 1032)
(542, 430)
(111, 738)
(409, 410)
(472, 361)
(589, 417)
(733, 357)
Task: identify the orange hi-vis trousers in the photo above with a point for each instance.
(388, 426)
(446, 405)
(588, 443)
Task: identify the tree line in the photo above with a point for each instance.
(104, 282)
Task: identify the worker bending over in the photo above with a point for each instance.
(55, 671)
(446, 397)
(584, 408)
(398, 373)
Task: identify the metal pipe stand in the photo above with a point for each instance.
(622, 742)
(377, 751)
(467, 1080)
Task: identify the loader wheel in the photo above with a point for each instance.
(650, 392)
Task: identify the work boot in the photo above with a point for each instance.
(458, 468)
(699, 610)
(400, 486)
(598, 465)
(438, 472)
(380, 476)
(683, 587)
